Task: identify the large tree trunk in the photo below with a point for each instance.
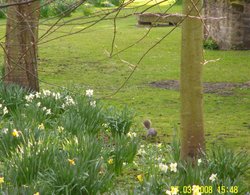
(21, 45)
(192, 129)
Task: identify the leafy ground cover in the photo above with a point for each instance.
(55, 143)
(81, 62)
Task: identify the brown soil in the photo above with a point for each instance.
(223, 88)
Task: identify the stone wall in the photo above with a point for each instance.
(232, 31)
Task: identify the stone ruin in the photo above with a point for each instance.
(158, 19)
(233, 30)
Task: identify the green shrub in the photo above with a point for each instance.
(55, 143)
(87, 9)
(117, 2)
(2, 13)
(119, 122)
(210, 44)
(45, 9)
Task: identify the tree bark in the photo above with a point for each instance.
(20, 65)
(192, 128)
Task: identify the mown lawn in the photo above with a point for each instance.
(81, 62)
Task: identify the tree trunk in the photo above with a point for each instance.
(21, 45)
(192, 128)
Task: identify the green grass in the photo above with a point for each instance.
(76, 61)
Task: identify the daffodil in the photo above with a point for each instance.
(131, 134)
(89, 92)
(163, 167)
(140, 178)
(37, 193)
(93, 104)
(110, 161)
(71, 161)
(174, 190)
(159, 145)
(173, 167)
(5, 111)
(1, 180)
(199, 161)
(15, 133)
(41, 126)
(48, 111)
(213, 177)
(60, 129)
(168, 192)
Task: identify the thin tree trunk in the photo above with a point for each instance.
(192, 128)
(21, 45)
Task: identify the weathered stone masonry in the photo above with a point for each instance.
(233, 32)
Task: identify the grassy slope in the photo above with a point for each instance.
(74, 61)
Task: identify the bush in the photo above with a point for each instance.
(210, 44)
(55, 143)
(119, 122)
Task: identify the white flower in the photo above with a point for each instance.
(29, 97)
(1, 105)
(124, 163)
(63, 106)
(159, 145)
(41, 126)
(48, 111)
(141, 151)
(163, 167)
(44, 108)
(89, 92)
(57, 96)
(37, 94)
(213, 177)
(105, 125)
(5, 110)
(168, 192)
(60, 128)
(174, 190)
(199, 161)
(5, 130)
(46, 92)
(69, 101)
(173, 167)
(131, 134)
(93, 103)
(38, 104)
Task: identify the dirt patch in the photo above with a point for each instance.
(223, 88)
